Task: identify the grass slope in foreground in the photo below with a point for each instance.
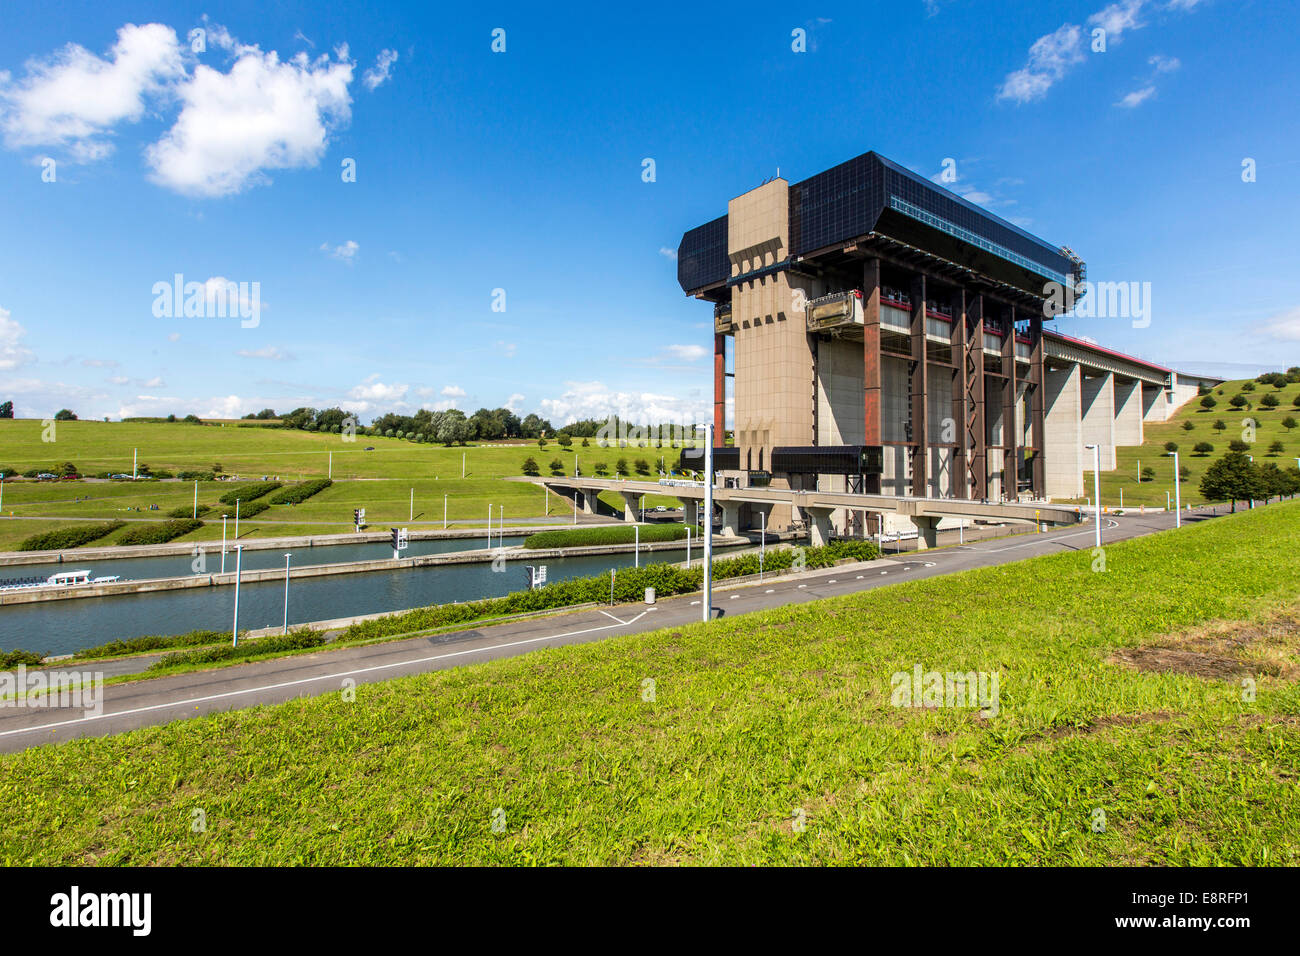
(753, 717)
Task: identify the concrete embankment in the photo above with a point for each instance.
(81, 555)
(477, 556)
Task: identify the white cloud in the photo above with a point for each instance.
(1137, 97)
(118, 380)
(344, 253)
(1118, 18)
(173, 337)
(594, 400)
(668, 253)
(687, 353)
(507, 349)
(73, 99)
(263, 114)
(514, 403)
(155, 382)
(373, 390)
(99, 363)
(12, 353)
(453, 391)
(1284, 326)
(378, 74)
(270, 352)
(441, 406)
(1053, 55)
(1050, 58)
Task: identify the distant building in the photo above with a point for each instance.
(887, 337)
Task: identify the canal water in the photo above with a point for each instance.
(61, 627)
(181, 565)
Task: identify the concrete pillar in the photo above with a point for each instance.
(1155, 403)
(631, 504)
(765, 511)
(927, 531)
(730, 518)
(692, 510)
(589, 503)
(1098, 420)
(1128, 412)
(819, 525)
(1064, 435)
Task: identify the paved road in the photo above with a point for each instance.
(141, 703)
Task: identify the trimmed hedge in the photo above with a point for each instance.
(186, 511)
(249, 492)
(151, 642)
(629, 585)
(11, 659)
(159, 533)
(623, 534)
(248, 509)
(73, 537)
(296, 494)
(295, 640)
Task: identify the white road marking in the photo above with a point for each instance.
(314, 680)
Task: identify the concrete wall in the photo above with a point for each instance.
(1064, 452)
(1128, 412)
(1098, 425)
(1155, 403)
(840, 409)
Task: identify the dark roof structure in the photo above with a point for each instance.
(870, 196)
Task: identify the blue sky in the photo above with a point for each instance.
(522, 171)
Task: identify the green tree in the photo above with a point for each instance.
(557, 466)
(1171, 446)
(1188, 426)
(602, 469)
(1239, 401)
(1276, 448)
(642, 466)
(1203, 448)
(1288, 423)
(1219, 425)
(1233, 477)
(1209, 401)
(530, 466)
(1148, 473)
(620, 466)
(6, 409)
(65, 415)
(565, 441)
(541, 443)
(1238, 446)
(1269, 401)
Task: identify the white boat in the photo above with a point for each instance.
(64, 579)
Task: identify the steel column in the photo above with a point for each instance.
(918, 391)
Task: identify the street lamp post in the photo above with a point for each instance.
(1178, 495)
(286, 594)
(444, 512)
(223, 543)
(239, 564)
(707, 596)
(1096, 487)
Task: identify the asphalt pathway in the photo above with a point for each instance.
(160, 700)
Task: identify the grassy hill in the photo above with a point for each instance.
(379, 480)
(769, 738)
(1152, 451)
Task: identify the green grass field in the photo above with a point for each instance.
(1152, 450)
(768, 739)
(379, 481)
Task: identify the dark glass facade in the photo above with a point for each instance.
(702, 256)
(848, 201)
